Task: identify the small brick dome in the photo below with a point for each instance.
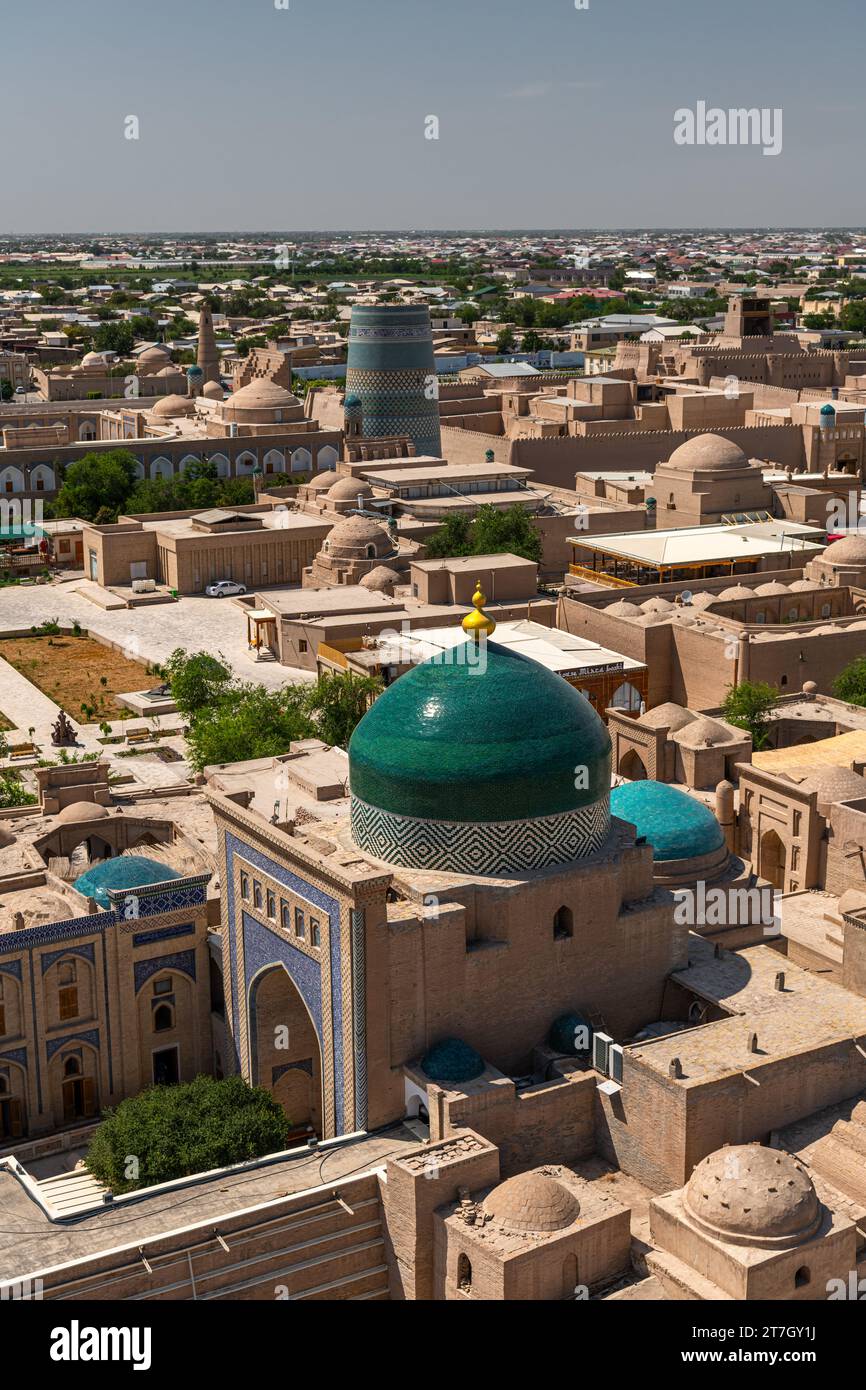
(532, 1202)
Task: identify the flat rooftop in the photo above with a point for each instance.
(706, 545)
(558, 651)
(459, 564)
(840, 750)
(809, 1013)
(267, 521)
(311, 778)
(316, 603)
(29, 1242)
(452, 473)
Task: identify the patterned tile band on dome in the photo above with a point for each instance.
(485, 847)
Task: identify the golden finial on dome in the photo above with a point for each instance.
(476, 623)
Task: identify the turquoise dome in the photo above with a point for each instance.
(452, 1060)
(828, 409)
(455, 742)
(563, 1035)
(674, 823)
(125, 873)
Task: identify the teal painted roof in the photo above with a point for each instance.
(126, 872)
(675, 824)
(452, 741)
(828, 409)
(452, 1060)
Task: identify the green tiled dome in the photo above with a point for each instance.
(452, 1060)
(449, 741)
(126, 872)
(675, 824)
(563, 1036)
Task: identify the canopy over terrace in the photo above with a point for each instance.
(691, 552)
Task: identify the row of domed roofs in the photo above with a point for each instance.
(743, 1194)
(693, 730)
(627, 608)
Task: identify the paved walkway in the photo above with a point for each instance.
(152, 632)
(24, 705)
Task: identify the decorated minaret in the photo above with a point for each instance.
(391, 375)
(208, 356)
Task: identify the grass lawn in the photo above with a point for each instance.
(71, 670)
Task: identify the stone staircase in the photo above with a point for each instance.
(67, 1194)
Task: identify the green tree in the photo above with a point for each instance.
(196, 680)
(115, 336)
(454, 537)
(490, 532)
(532, 342)
(338, 702)
(505, 340)
(850, 684)
(749, 706)
(6, 390)
(97, 481)
(174, 1131)
(13, 792)
(248, 721)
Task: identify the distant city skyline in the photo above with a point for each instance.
(317, 116)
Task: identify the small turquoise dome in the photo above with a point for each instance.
(452, 1060)
(454, 741)
(352, 402)
(828, 409)
(675, 824)
(126, 872)
(194, 371)
(565, 1037)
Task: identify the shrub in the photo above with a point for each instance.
(171, 1132)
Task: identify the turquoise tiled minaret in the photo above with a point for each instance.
(390, 370)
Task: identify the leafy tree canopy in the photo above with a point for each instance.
(491, 532)
(97, 482)
(338, 702)
(248, 721)
(196, 679)
(749, 706)
(170, 1132)
(850, 684)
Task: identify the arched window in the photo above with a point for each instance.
(802, 1277)
(563, 924)
(371, 552)
(626, 696)
(4, 1085)
(66, 972)
(72, 1066)
(464, 1273)
(163, 1018)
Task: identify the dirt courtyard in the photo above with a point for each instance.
(73, 671)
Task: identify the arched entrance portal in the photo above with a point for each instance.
(285, 1056)
(773, 859)
(631, 766)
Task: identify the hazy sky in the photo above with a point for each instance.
(313, 117)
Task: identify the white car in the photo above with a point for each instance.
(224, 588)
